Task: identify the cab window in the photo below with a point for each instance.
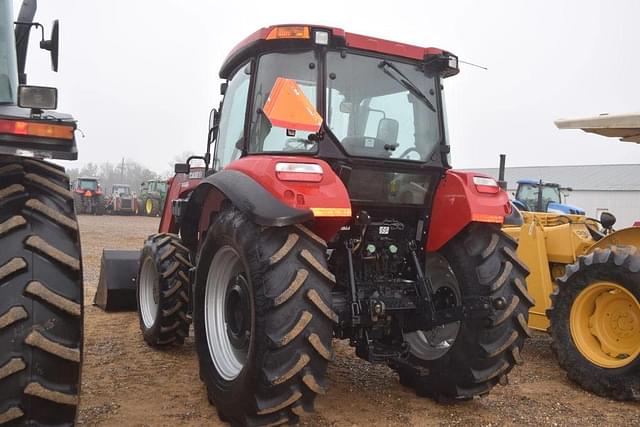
(300, 67)
(232, 119)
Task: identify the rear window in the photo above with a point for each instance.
(88, 184)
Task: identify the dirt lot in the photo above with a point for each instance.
(126, 383)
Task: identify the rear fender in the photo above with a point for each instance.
(458, 202)
(252, 186)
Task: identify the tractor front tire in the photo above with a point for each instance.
(163, 291)
(41, 295)
(595, 322)
(479, 262)
(263, 319)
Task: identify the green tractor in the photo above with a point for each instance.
(151, 197)
(41, 290)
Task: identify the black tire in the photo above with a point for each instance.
(616, 264)
(169, 263)
(289, 345)
(77, 204)
(99, 206)
(41, 295)
(482, 260)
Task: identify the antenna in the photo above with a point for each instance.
(472, 64)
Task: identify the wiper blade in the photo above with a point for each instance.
(406, 83)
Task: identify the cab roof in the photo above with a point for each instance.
(267, 38)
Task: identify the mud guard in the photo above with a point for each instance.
(249, 196)
(252, 186)
(458, 202)
(624, 236)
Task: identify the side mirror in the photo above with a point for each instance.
(214, 118)
(53, 44)
(181, 168)
(607, 220)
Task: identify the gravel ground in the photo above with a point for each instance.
(126, 383)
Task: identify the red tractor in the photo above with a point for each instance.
(87, 196)
(330, 210)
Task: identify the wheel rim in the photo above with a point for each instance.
(605, 324)
(435, 343)
(149, 206)
(228, 313)
(149, 293)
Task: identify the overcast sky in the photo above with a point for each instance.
(141, 76)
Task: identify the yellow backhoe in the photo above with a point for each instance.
(585, 279)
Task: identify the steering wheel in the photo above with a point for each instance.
(408, 151)
(298, 144)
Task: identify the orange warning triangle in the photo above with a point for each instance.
(288, 107)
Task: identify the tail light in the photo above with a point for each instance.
(300, 172)
(16, 127)
(87, 193)
(486, 185)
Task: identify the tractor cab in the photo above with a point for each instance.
(373, 111)
(121, 190)
(540, 196)
(86, 184)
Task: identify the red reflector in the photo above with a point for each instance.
(297, 176)
(487, 189)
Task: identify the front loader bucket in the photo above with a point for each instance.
(117, 284)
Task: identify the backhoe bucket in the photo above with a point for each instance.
(117, 284)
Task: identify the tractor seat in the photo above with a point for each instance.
(381, 146)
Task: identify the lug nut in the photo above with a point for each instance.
(499, 303)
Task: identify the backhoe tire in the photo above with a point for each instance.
(482, 261)
(595, 322)
(41, 295)
(163, 291)
(263, 319)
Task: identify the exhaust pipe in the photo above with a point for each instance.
(501, 182)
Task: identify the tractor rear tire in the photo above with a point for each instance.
(594, 310)
(163, 291)
(151, 207)
(263, 319)
(41, 295)
(100, 208)
(482, 260)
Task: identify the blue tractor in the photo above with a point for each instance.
(540, 196)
